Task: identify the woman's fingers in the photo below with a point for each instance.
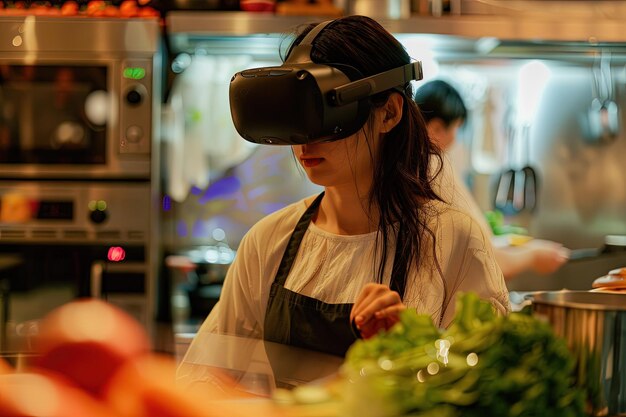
(366, 304)
(366, 296)
(372, 329)
(375, 325)
(380, 299)
(389, 312)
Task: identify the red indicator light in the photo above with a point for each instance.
(116, 254)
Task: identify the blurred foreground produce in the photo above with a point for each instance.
(94, 360)
(46, 395)
(145, 388)
(87, 341)
(483, 365)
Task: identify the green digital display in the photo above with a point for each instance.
(134, 73)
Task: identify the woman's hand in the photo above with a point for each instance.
(547, 256)
(376, 308)
(538, 255)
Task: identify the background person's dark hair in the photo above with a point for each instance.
(439, 100)
(403, 174)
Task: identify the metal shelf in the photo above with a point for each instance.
(78, 35)
(570, 38)
(550, 27)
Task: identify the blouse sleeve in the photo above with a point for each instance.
(471, 267)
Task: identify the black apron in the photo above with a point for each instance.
(303, 321)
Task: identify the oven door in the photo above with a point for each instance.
(73, 119)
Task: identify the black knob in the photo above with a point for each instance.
(134, 97)
(98, 216)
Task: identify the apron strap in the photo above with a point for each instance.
(295, 240)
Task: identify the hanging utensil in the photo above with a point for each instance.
(520, 179)
(506, 182)
(533, 78)
(528, 187)
(603, 115)
(517, 186)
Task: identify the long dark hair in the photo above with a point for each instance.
(403, 173)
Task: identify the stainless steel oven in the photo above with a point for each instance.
(79, 106)
(77, 97)
(60, 240)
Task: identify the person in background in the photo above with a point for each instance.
(377, 241)
(444, 112)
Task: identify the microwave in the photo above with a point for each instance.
(77, 98)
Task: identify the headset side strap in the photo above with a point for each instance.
(377, 83)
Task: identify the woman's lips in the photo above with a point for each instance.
(311, 162)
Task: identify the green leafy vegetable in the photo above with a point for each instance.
(482, 365)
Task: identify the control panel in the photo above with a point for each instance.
(135, 110)
(75, 211)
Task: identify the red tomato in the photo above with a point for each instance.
(148, 12)
(12, 11)
(33, 394)
(87, 340)
(42, 10)
(53, 11)
(128, 8)
(111, 11)
(257, 5)
(69, 8)
(94, 7)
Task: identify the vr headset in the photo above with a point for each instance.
(303, 102)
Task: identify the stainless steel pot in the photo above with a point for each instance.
(594, 326)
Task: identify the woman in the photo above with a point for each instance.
(377, 241)
(444, 111)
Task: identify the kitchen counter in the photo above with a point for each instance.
(259, 367)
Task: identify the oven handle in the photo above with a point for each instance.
(98, 268)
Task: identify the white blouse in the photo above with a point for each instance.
(334, 269)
